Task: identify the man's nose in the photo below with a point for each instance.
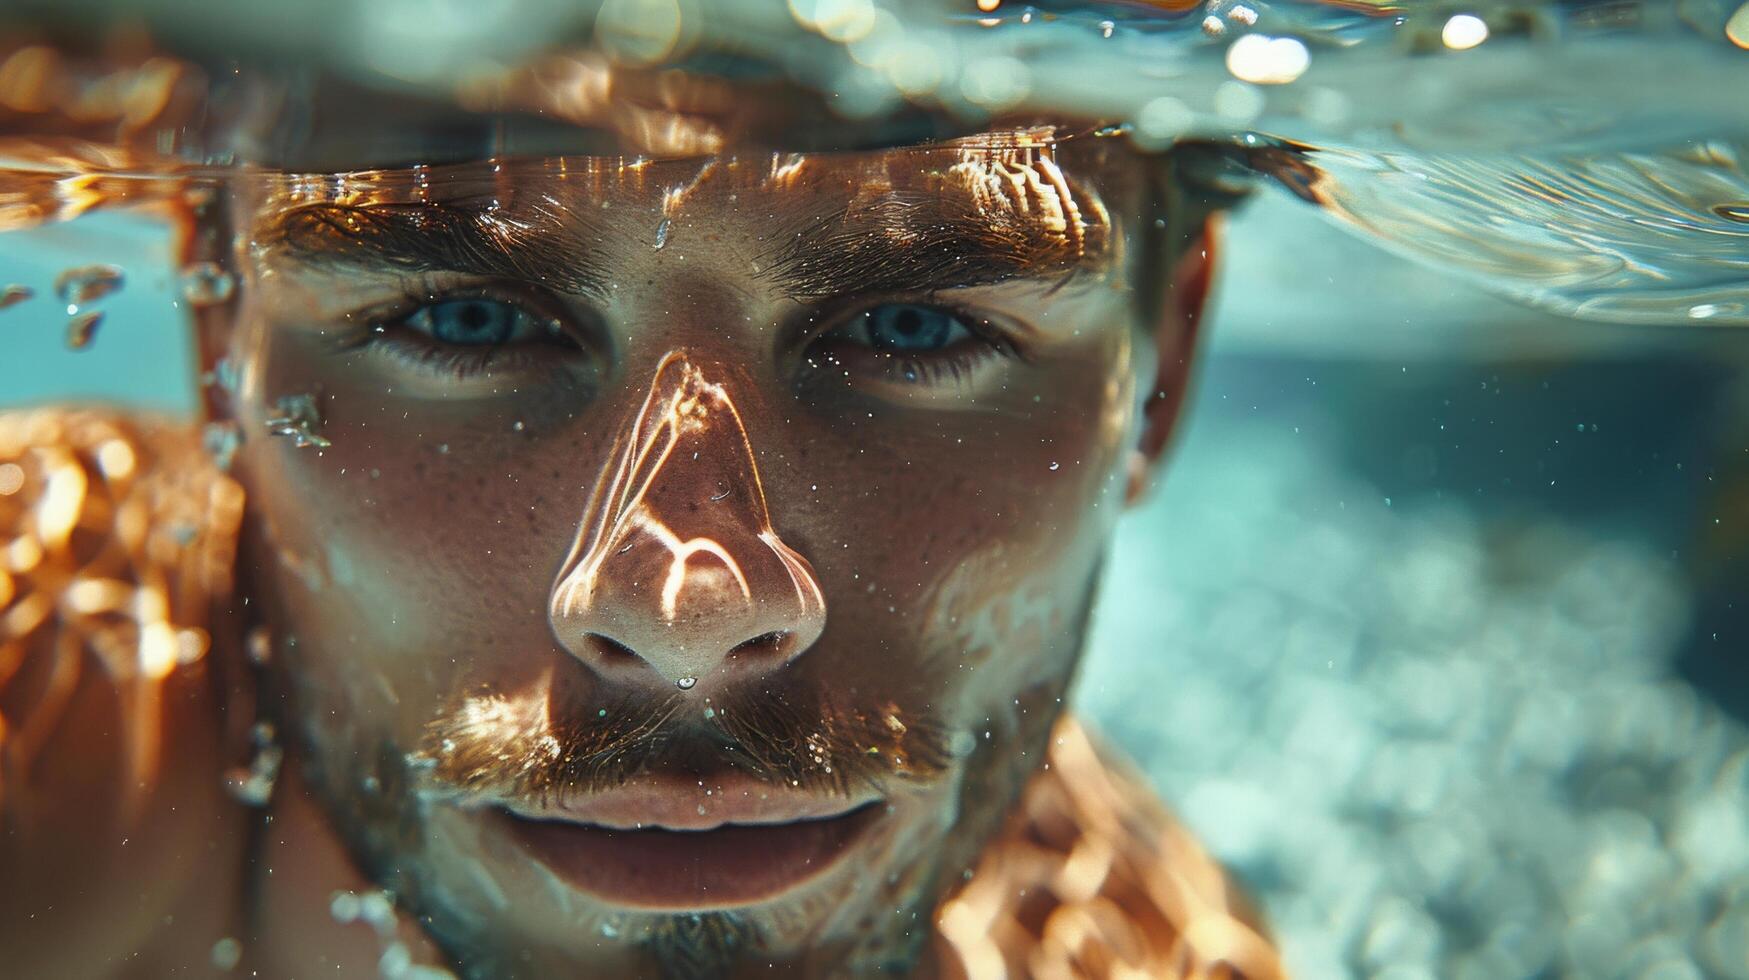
(677, 573)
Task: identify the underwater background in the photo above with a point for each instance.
(1435, 631)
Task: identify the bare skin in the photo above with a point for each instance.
(659, 499)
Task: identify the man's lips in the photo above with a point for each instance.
(686, 803)
(678, 845)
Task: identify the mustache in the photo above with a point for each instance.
(491, 745)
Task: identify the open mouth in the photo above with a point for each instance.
(736, 849)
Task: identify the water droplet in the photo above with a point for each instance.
(686, 683)
(205, 284)
(1464, 31)
(701, 810)
(252, 785)
(226, 953)
(1268, 60)
(662, 232)
(298, 417)
(343, 907)
(395, 961)
(259, 644)
(223, 375)
(82, 328)
(221, 440)
(88, 283)
(1737, 27)
(378, 909)
(14, 295)
(960, 744)
(518, 425)
(1053, 466)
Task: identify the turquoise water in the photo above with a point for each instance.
(141, 355)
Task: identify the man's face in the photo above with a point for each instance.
(701, 549)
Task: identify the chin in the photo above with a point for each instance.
(506, 896)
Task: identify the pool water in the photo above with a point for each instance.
(1433, 632)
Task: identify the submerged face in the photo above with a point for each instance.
(683, 562)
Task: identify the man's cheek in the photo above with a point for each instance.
(1002, 618)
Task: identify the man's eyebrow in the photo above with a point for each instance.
(911, 243)
(439, 238)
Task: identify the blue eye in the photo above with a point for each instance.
(473, 322)
(909, 343)
(902, 328)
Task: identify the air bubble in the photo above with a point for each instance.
(298, 417)
(395, 960)
(221, 439)
(204, 284)
(686, 683)
(259, 646)
(226, 953)
(252, 785)
(222, 376)
(14, 295)
(960, 744)
(1464, 31)
(343, 907)
(88, 283)
(378, 909)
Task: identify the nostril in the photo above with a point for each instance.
(774, 643)
(611, 649)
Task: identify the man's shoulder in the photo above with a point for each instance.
(1094, 878)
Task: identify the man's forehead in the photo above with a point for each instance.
(1002, 206)
(967, 172)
